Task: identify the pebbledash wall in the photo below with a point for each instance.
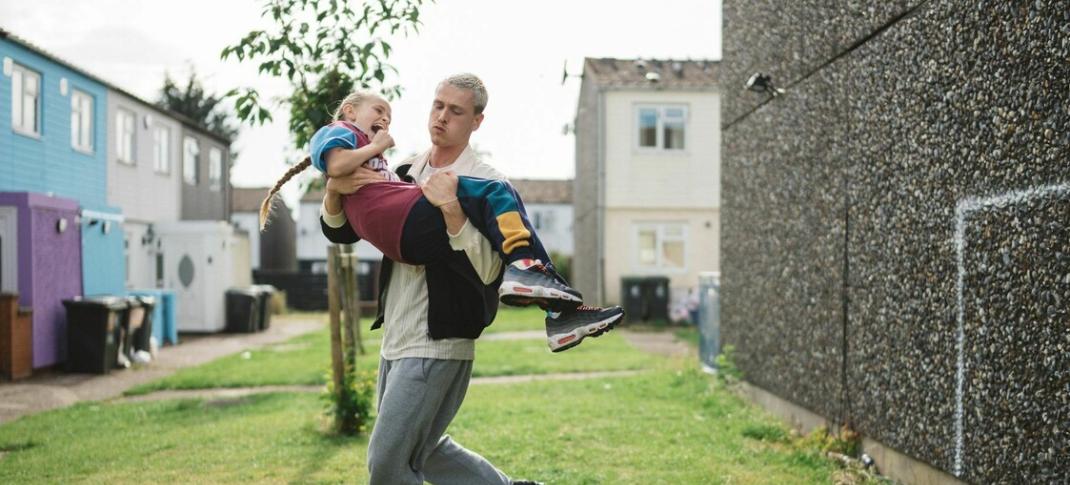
(896, 226)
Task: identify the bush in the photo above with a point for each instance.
(726, 365)
(563, 264)
(350, 411)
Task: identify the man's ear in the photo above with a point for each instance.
(478, 120)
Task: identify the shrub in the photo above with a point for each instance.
(350, 410)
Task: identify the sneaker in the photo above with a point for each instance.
(526, 482)
(567, 329)
(537, 285)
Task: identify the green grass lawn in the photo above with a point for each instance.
(669, 426)
(305, 359)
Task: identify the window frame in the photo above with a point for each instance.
(76, 138)
(215, 168)
(659, 127)
(187, 167)
(161, 133)
(17, 124)
(120, 114)
(660, 239)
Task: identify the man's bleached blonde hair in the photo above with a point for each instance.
(473, 83)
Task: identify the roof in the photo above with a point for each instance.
(185, 120)
(638, 73)
(313, 196)
(249, 199)
(534, 191)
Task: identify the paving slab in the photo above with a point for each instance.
(48, 390)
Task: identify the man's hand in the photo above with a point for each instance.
(348, 184)
(441, 191)
(382, 139)
(441, 188)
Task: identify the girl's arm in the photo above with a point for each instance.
(343, 161)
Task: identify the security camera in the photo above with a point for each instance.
(763, 83)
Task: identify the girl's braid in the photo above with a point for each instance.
(265, 206)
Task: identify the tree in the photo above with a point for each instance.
(204, 108)
(325, 49)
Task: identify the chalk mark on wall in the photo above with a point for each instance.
(962, 210)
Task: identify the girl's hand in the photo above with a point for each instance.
(348, 184)
(382, 139)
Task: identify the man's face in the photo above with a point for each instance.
(453, 116)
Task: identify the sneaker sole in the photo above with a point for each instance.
(563, 341)
(514, 294)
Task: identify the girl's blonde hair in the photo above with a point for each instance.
(353, 99)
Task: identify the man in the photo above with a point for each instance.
(430, 314)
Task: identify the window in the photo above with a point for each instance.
(542, 220)
(161, 149)
(661, 127)
(215, 168)
(124, 135)
(190, 151)
(81, 121)
(661, 246)
(25, 101)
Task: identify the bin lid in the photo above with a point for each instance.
(110, 302)
(243, 291)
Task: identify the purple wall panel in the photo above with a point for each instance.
(50, 271)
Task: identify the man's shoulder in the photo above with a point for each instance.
(484, 170)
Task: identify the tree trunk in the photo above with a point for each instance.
(334, 309)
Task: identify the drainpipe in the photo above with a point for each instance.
(600, 203)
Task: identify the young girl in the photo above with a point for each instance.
(397, 219)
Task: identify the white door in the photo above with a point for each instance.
(185, 273)
(9, 250)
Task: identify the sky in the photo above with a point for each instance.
(519, 49)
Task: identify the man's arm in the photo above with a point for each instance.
(441, 191)
(333, 220)
(334, 224)
(485, 260)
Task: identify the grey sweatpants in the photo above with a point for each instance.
(417, 400)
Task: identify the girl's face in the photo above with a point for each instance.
(370, 115)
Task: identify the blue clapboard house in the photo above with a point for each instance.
(53, 141)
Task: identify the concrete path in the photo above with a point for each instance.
(53, 390)
(662, 343)
(56, 389)
(226, 394)
(522, 335)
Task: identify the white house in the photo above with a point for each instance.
(311, 243)
(144, 179)
(647, 186)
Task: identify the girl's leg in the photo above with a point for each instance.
(495, 208)
(423, 237)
